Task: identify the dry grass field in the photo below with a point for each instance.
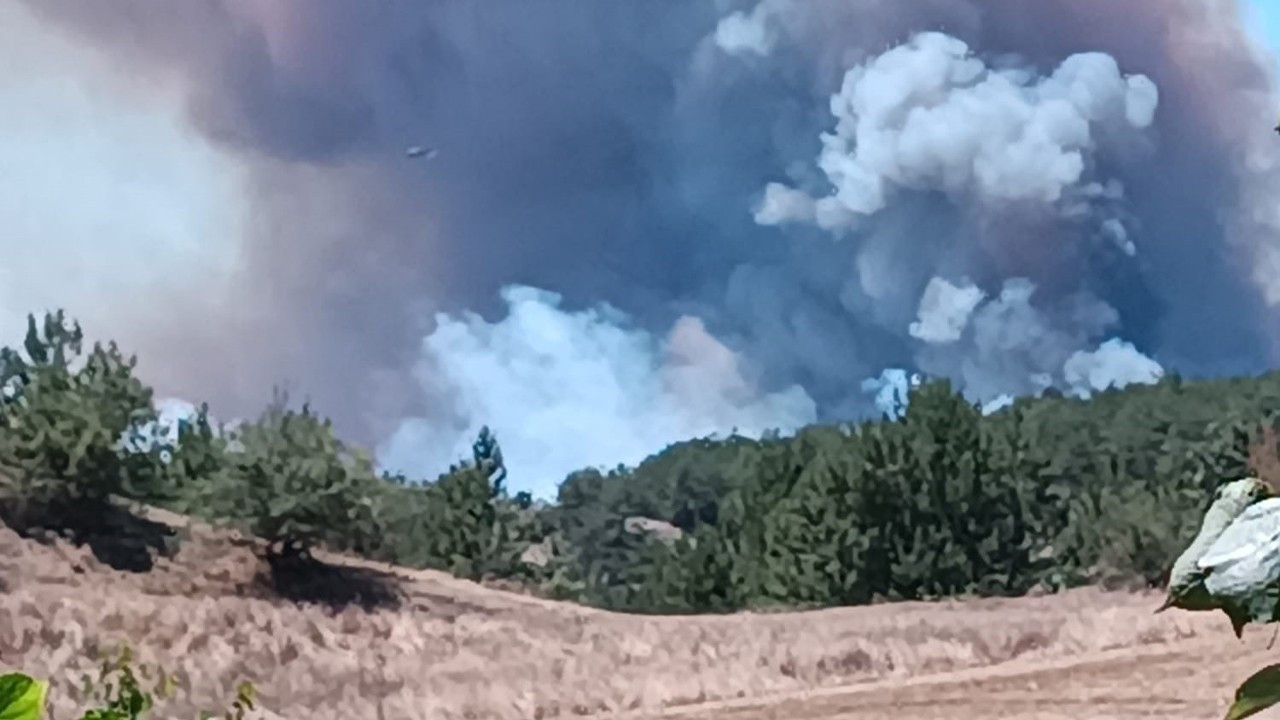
(453, 649)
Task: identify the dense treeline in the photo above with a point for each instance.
(1050, 492)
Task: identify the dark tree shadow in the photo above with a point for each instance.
(302, 578)
(117, 537)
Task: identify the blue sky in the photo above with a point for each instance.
(1263, 18)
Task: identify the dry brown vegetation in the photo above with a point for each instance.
(447, 648)
(1264, 457)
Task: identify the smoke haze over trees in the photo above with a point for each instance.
(646, 222)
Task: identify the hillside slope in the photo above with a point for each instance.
(455, 649)
(1183, 680)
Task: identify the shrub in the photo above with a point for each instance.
(63, 415)
(463, 522)
(297, 485)
(200, 470)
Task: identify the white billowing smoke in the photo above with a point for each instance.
(927, 116)
(782, 204)
(1008, 346)
(998, 403)
(1114, 364)
(891, 390)
(741, 33)
(164, 430)
(171, 412)
(944, 311)
(113, 210)
(755, 31)
(567, 390)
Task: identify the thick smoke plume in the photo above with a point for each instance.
(645, 220)
(575, 389)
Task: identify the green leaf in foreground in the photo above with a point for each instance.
(1259, 692)
(21, 697)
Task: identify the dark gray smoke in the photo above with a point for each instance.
(707, 215)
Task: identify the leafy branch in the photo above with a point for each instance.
(117, 691)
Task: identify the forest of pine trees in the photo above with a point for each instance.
(1048, 493)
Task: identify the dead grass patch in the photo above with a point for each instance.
(448, 648)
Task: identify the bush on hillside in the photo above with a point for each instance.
(945, 503)
(298, 485)
(200, 475)
(63, 415)
(463, 522)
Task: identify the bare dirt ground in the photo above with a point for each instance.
(454, 649)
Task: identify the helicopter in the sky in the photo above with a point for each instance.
(419, 151)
